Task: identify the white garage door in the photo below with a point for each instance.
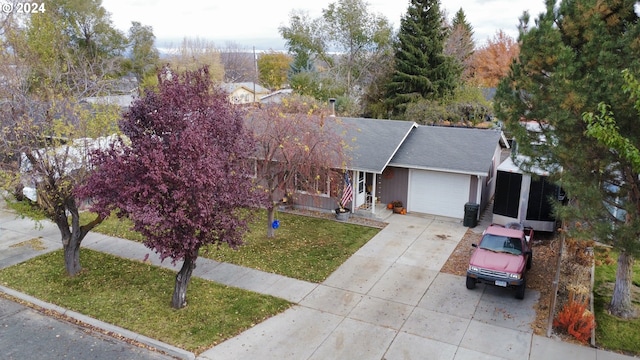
(438, 193)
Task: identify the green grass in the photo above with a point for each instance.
(304, 248)
(137, 296)
(25, 209)
(613, 333)
(113, 226)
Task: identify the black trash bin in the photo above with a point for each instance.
(470, 215)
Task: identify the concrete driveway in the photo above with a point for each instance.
(389, 301)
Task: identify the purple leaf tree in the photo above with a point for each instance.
(181, 174)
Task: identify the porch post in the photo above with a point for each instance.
(354, 190)
(479, 190)
(373, 194)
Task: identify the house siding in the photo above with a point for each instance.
(473, 189)
(308, 201)
(394, 185)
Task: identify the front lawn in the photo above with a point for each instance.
(137, 296)
(613, 333)
(304, 248)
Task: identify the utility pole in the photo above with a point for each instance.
(255, 77)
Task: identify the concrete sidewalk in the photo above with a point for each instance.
(387, 301)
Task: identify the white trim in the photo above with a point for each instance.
(446, 170)
(479, 191)
(414, 126)
(353, 188)
(373, 193)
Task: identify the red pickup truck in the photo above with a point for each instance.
(502, 258)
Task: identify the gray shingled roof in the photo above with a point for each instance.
(373, 142)
(462, 150)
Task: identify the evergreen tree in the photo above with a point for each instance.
(459, 43)
(571, 61)
(422, 70)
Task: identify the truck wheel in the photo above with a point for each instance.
(471, 283)
(520, 290)
(530, 260)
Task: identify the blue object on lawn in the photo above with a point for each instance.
(275, 224)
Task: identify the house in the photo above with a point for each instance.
(276, 96)
(123, 101)
(62, 159)
(432, 170)
(244, 92)
(440, 169)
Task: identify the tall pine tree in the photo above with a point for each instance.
(571, 61)
(422, 70)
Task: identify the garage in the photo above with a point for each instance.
(438, 193)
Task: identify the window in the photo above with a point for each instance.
(318, 183)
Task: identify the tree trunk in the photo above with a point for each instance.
(71, 256)
(70, 243)
(621, 305)
(72, 236)
(271, 214)
(183, 277)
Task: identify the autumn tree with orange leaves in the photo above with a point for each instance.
(491, 62)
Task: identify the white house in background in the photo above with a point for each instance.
(244, 92)
(64, 158)
(276, 96)
(123, 101)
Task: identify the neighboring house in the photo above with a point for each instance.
(244, 92)
(123, 101)
(524, 194)
(276, 96)
(63, 160)
(525, 197)
(432, 170)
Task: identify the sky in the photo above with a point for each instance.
(255, 23)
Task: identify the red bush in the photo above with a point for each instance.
(575, 320)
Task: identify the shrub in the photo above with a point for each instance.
(574, 318)
(580, 251)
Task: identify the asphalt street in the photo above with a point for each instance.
(27, 334)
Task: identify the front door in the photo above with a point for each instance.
(360, 189)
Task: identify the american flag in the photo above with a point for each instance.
(347, 193)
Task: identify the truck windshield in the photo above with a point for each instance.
(501, 244)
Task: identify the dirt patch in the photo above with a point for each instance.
(35, 244)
